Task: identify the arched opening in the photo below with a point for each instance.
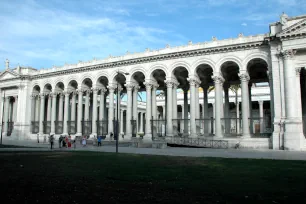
(87, 106)
(35, 109)
(206, 118)
(72, 115)
(260, 102)
(231, 116)
(47, 111)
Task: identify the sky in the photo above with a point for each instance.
(43, 33)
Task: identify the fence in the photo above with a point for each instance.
(260, 127)
(134, 128)
(158, 128)
(58, 127)
(181, 127)
(205, 126)
(86, 127)
(102, 127)
(199, 142)
(47, 127)
(34, 127)
(231, 126)
(72, 126)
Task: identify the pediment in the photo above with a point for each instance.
(7, 75)
(297, 28)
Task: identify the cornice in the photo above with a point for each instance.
(161, 57)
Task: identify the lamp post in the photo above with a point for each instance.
(117, 107)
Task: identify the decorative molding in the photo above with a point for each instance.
(288, 54)
(218, 79)
(148, 85)
(169, 83)
(244, 77)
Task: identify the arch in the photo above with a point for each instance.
(101, 74)
(58, 80)
(85, 76)
(155, 67)
(57, 88)
(138, 69)
(36, 88)
(47, 81)
(201, 61)
(71, 78)
(180, 64)
(111, 79)
(259, 55)
(47, 88)
(232, 58)
(69, 86)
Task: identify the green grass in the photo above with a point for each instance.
(62, 177)
(12, 146)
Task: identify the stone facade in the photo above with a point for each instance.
(267, 72)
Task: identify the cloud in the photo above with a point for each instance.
(244, 24)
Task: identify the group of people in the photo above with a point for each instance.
(66, 141)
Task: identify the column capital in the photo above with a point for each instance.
(33, 96)
(287, 54)
(129, 87)
(148, 85)
(269, 74)
(218, 79)
(260, 102)
(193, 81)
(111, 88)
(244, 77)
(136, 88)
(67, 93)
(169, 83)
(95, 90)
(103, 90)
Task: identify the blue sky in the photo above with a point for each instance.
(43, 33)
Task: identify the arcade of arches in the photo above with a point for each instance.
(248, 90)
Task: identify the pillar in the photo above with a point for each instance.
(197, 107)
(111, 109)
(135, 105)
(251, 109)
(129, 89)
(87, 101)
(186, 131)
(37, 108)
(227, 119)
(164, 112)
(42, 113)
(6, 114)
(298, 92)
(293, 135)
(73, 106)
(102, 104)
(49, 107)
(244, 77)
(192, 82)
(169, 84)
(174, 108)
(205, 109)
(261, 115)
(15, 109)
(66, 113)
(80, 112)
(141, 122)
(121, 121)
(33, 101)
(53, 113)
(237, 118)
(148, 135)
(218, 80)
(94, 112)
(60, 107)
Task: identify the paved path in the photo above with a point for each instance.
(177, 151)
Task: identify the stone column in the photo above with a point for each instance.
(37, 108)
(298, 92)
(111, 109)
(129, 88)
(197, 107)
(185, 112)
(148, 135)
(251, 109)
(94, 112)
(6, 114)
(101, 108)
(135, 105)
(164, 112)
(66, 112)
(261, 115)
(15, 109)
(227, 120)
(49, 108)
(169, 107)
(141, 122)
(53, 113)
(80, 112)
(218, 80)
(244, 77)
(73, 106)
(193, 82)
(238, 118)
(33, 98)
(121, 121)
(42, 113)
(154, 106)
(205, 109)
(174, 108)
(293, 135)
(60, 107)
(87, 101)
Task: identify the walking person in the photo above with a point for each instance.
(99, 141)
(51, 138)
(84, 141)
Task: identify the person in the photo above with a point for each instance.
(111, 135)
(66, 142)
(99, 141)
(51, 140)
(37, 137)
(69, 141)
(84, 141)
(60, 141)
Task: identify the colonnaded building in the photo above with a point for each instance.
(248, 90)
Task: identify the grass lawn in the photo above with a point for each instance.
(95, 177)
(11, 146)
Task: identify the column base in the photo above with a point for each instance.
(93, 135)
(293, 135)
(78, 134)
(193, 135)
(147, 137)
